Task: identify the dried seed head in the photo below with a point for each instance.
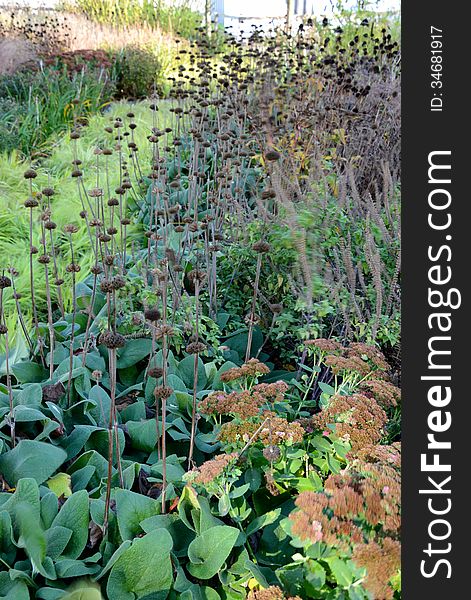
(118, 282)
(152, 314)
(3, 329)
(155, 372)
(162, 392)
(272, 155)
(5, 282)
(31, 202)
(111, 340)
(73, 268)
(272, 453)
(106, 286)
(196, 348)
(30, 174)
(96, 269)
(70, 228)
(48, 192)
(261, 247)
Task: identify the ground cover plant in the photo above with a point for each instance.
(199, 392)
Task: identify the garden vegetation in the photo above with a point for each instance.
(199, 318)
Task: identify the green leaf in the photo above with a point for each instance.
(144, 569)
(7, 548)
(133, 352)
(208, 551)
(74, 515)
(12, 590)
(67, 567)
(84, 592)
(32, 539)
(316, 575)
(60, 485)
(27, 491)
(143, 434)
(262, 521)
(29, 372)
(340, 570)
(31, 459)
(57, 539)
(186, 372)
(131, 509)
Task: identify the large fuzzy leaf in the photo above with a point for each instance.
(131, 509)
(31, 459)
(143, 570)
(74, 516)
(208, 551)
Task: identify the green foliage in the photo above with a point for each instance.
(39, 103)
(136, 72)
(162, 429)
(176, 16)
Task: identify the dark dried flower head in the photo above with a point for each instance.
(31, 202)
(162, 392)
(167, 330)
(111, 340)
(106, 286)
(30, 174)
(261, 247)
(3, 329)
(155, 372)
(5, 282)
(96, 269)
(71, 228)
(196, 348)
(73, 268)
(272, 453)
(152, 314)
(272, 155)
(118, 282)
(197, 275)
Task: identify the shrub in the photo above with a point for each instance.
(136, 72)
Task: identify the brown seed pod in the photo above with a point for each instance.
(96, 269)
(152, 314)
(155, 372)
(5, 282)
(31, 202)
(272, 453)
(196, 348)
(111, 340)
(272, 155)
(162, 392)
(30, 174)
(261, 247)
